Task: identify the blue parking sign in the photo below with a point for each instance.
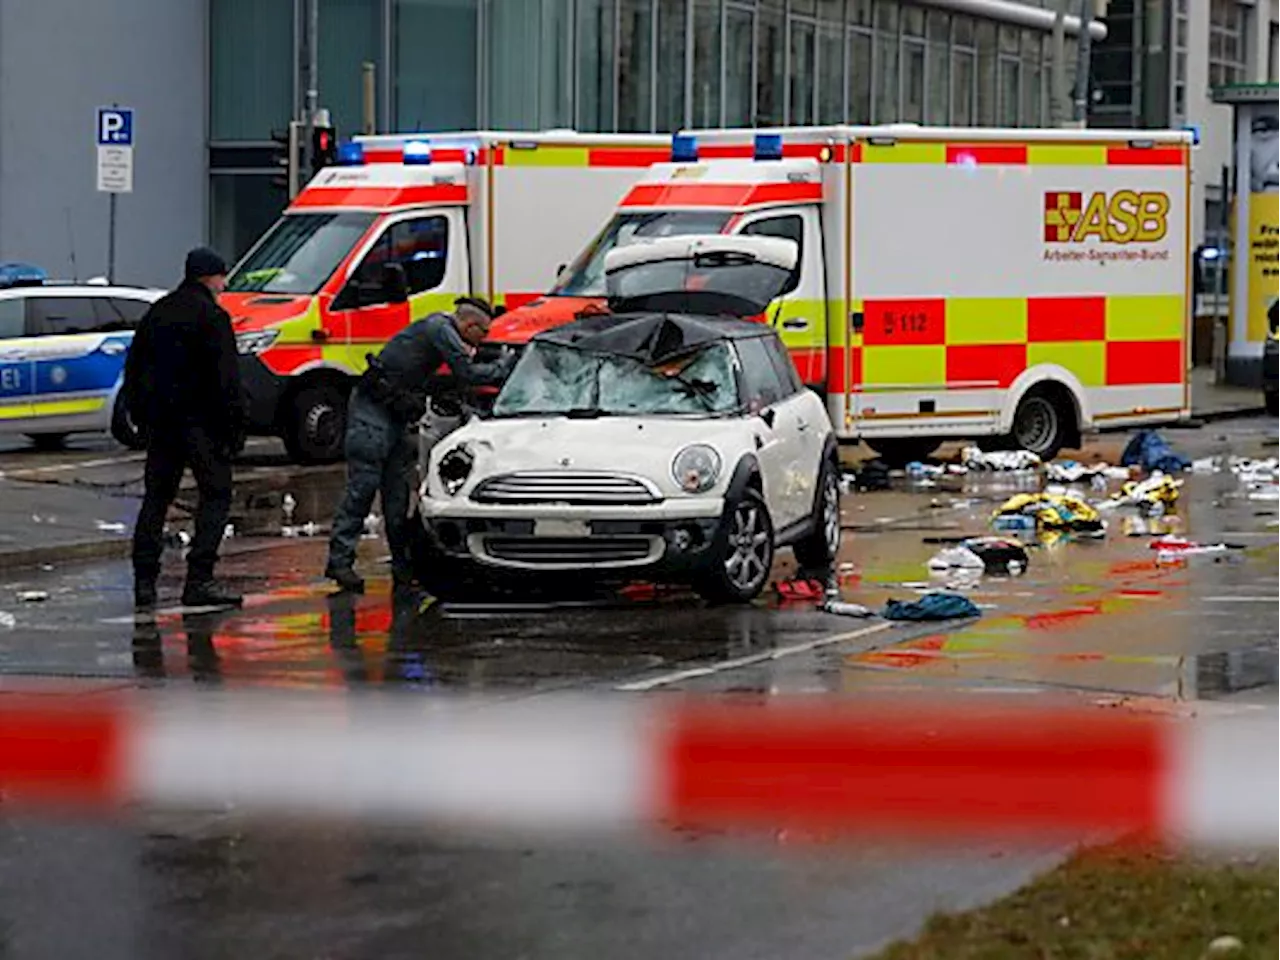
(115, 126)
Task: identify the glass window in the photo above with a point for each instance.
(1010, 40)
(788, 227)
(761, 385)
(1008, 113)
(859, 76)
(912, 21)
(350, 34)
(250, 84)
(52, 316)
(859, 12)
(242, 207)
(962, 30)
(672, 30)
(421, 246)
(706, 63)
(986, 37)
(635, 66)
(830, 74)
(595, 65)
(434, 80)
(131, 310)
(886, 106)
(739, 45)
(12, 318)
(115, 313)
(912, 81)
(300, 253)
(803, 72)
(1032, 57)
(585, 276)
(555, 65)
(962, 76)
(511, 53)
(938, 68)
(782, 365)
(771, 81)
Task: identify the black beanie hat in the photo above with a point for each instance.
(203, 262)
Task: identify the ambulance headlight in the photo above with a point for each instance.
(454, 468)
(256, 341)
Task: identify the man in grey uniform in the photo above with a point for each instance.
(386, 403)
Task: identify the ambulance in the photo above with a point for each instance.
(400, 227)
(1020, 286)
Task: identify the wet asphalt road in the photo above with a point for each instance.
(1096, 620)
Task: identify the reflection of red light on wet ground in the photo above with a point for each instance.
(1061, 618)
(913, 653)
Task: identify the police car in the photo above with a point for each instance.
(62, 352)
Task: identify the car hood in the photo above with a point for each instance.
(642, 446)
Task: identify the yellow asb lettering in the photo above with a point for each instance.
(1154, 223)
(1125, 216)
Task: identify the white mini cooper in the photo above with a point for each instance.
(668, 440)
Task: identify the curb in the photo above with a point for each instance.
(65, 552)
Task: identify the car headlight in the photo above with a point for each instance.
(696, 468)
(454, 468)
(256, 341)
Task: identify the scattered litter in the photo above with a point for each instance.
(33, 596)
(1205, 465)
(229, 531)
(1000, 461)
(1054, 512)
(846, 567)
(371, 524)
(842, 609)
(110, 527)
(871, 475)
(287, 505)
(1073, 471)
(921, 471)
(998, 555)
(1013, 523)
(1225, 944)
(800, 591)
(1147, 449)
(953, 558)
(46, 567)
(1153, 495)
(308, 529)
(7, 620)
(932, 606)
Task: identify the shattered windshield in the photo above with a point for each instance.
(299, 253)
(586, 276)
(551, 379)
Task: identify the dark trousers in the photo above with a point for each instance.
(380, 460)
(210, 464)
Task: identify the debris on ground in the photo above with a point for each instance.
(800, 591)
(842, 609)
(999, 461)
(999, 555)
(932, 606)
(958, 557)
(1174, 549)
(1054, 511)
(1073, 471)
(33, 596)
(7, 620)
(1148, 450)
(1151, 526)
(106, 527)
(1260, 477)
(1153, 496)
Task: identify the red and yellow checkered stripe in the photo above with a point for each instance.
(969, 343)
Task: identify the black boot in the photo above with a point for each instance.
(346, 578)
(208, 593)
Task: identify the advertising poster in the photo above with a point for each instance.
(1264, 231)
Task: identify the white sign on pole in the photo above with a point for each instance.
(115, 149)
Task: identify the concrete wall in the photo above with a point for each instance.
(59, 61)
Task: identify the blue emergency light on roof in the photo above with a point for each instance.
(350, 154)
(768, 146)
(417, 152)
(1194, 130)
(21, 275)
(684, 148)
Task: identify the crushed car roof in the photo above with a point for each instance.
(650, 337)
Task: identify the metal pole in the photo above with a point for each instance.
(111, 238)
(369, 78)
(1081, 111)
(313, 82)
(1058, 81)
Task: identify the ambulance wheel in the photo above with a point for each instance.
(317, 427)
(48, 441)
(1040, 424)
(900, 451)
(123, 429)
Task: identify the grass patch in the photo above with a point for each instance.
(1116, 903)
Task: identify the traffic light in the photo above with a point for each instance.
(324, 148)
(287, 156)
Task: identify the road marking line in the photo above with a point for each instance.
(1246, 599)
(639, 686)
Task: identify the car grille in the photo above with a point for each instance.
(572, 551)
(582, 489)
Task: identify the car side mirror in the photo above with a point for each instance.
(768, 416)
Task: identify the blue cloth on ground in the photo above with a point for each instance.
(932, 606)
(1149, 450)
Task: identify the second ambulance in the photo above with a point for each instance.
(1019, 285)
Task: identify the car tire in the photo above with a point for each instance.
(46, 442)
(742, 557)
(316, 428)
(1272, 400)
(123, 429)
(820, 546)
(1039, 425)
(899, 451)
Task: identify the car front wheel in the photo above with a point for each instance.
(742, 557)
(820, 546)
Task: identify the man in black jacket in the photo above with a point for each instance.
(386, 403)
(182, 390)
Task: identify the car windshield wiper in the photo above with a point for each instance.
(573, 413)
(585, 413)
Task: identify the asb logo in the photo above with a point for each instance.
(1126, 216)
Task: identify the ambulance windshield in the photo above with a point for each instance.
(299, 253)
(585, 277)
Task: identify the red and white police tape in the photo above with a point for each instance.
(914, 769)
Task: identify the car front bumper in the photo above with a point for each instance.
(668, 541)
